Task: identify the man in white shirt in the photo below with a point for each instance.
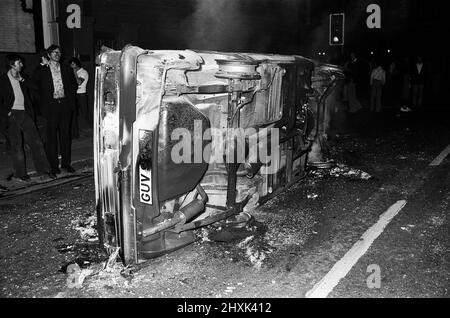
(377, 81)
(82, 77)
(16, 107)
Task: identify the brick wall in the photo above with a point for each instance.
(16, 28)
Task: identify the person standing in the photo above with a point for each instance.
(418, 83)
(354, 83)
(377, 81)
(405, 98)
(57, 89)
(82, 77)
(16, 107)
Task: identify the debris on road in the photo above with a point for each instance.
(408, 228)
(245, 242)
(110, 264)
(76, 276)
(404, 228)
(342, 170)
(255, 256)
(86, 227)
(437, 221)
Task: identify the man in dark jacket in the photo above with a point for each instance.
(418, 79)
(354, 80)
(17, 113)
(57, 92)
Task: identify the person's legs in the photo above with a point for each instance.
(420, 89)
(354, 104)
(15, 136)
(84, 109)
(4, 126)
(372, 98)
(65, 136)
(52, 138)
(75, 129)
(32, 138)
(379, 95)
(415, 95)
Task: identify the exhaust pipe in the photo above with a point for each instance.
(182, 216)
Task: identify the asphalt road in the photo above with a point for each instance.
(375, 226)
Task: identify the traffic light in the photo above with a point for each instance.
(337, 26)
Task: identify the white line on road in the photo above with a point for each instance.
(436, 162)
(326, 285)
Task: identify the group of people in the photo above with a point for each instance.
(406, 83)
(56, 91)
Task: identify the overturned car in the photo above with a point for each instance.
(185, 139)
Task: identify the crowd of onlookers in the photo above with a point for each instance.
(377, 84)
(56, 93)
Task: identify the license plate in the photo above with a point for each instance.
(145, 186)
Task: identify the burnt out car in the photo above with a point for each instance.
(185, 139)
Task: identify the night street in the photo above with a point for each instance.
(293, 241)
(229, 155)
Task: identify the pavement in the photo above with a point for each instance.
(82, 161)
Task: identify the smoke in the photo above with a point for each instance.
(217, 25)
(268, 26)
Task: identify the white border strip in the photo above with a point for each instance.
(326, 285)
(436, 162)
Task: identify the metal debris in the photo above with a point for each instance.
(110, 264)
(342, 170)
(87, 228)
(255, 256)
(245, 241)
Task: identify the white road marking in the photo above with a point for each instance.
(326, 285)
(436, 162)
